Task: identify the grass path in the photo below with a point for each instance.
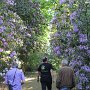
(32, 84)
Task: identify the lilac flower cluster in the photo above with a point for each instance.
(1, 50)
(57, 50)
(62, 1)
(1, 20)
(75, 28)
(83, 38)
(73, 15)
(69, 34)
(86, 68)
(10, 2)
(12, 54)
(56, 34)
(2, 29)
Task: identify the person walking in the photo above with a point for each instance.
(65, 77)
(14, 78)
(44, 71)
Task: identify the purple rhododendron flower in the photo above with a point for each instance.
(2, 29)
(5, 44)
(82, 47)
(69, 34)
(58, 52)
(75, 28)
(62, 1)
(73, 15)
(79, 86)
(56, 48)
(86, 68)
(11, 2)
(1, 21)
(83, 38)
(1, 50)
(87, 87)
(12, 54)
(88, 51)
(83, 78)
(56, 34)
(71, 2)
(3, 40)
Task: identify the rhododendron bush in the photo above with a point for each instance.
(72, 38)
(12, 33)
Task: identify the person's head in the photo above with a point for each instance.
(64, 62)
(45, 59)
(14, 65)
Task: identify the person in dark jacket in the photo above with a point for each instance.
(44, 71)
(65, 78)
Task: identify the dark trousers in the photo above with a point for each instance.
(46, 84)
(10, 87)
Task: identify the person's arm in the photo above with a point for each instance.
(38, 76)
(39, 73)
(22, 78)
(58, 81)
(73, 80)
(52, 73)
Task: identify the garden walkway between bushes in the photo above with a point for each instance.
(32, 84)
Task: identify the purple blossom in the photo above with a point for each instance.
(56, 34)
(74, 63)
(83, 38)
(56, 48)
(73, 15)
(87, 87)
(2, 29)
(62, 1)
(5, 44)
(11, 24)
(54, 20)
(86, 68)
(11, 2)
(63, 20)
(3, 40)
(79, 86)
(75, 28)
(77, 73)
(69, 34)
(12, 54)
(1, 50)
(88, 51)
(83, 78)
(1, 21)
(71, 2)
(71, 50)
(82, 47)
(58, 52)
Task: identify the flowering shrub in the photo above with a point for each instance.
(72, 40)
(12, 33)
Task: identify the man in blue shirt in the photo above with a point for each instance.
(14, 78)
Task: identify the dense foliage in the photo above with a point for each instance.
(25, 32)
(72, 38)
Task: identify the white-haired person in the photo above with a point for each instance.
(65, 77)
(14, 78)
